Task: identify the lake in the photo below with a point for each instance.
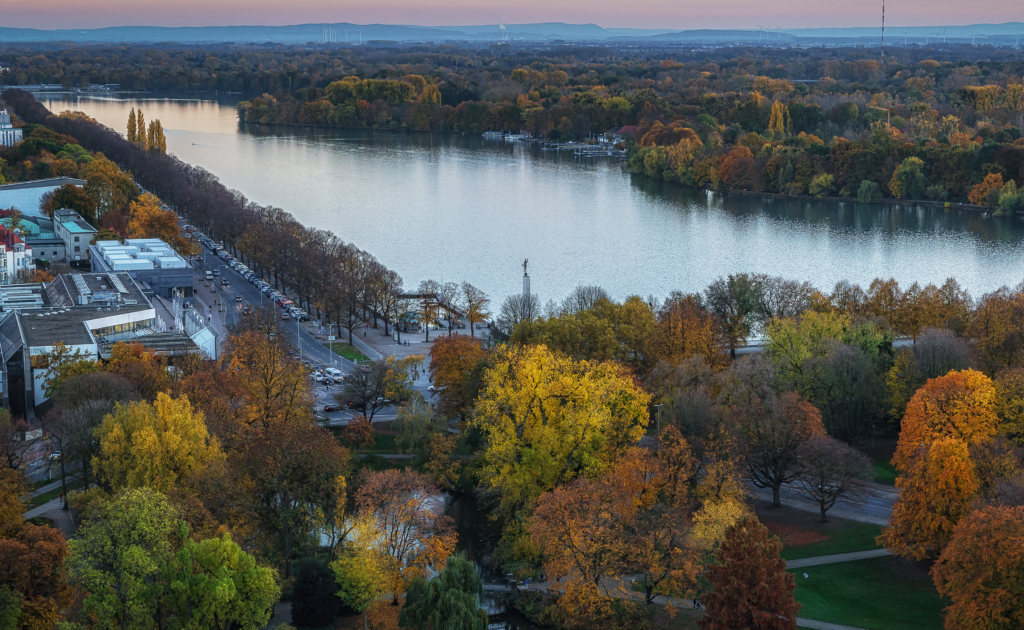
(466, 208)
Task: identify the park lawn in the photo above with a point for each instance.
(385, 443)
(846, 537)
(879, 594)
(46, 497)
(348, 351)
(885, 473)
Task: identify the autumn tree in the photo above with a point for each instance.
(359, 432)
(414, 532)
(133, 128)
(141, 366)
(980, 570)
(935, 494)
(750, 587)
(146, 219)
(72, 197)
(908, 180)
(960, 405)
(62, 363)
(32, 564)
(159, 445)
(982, 194)
(284, 475)
(360, 577)
(275, 385)
(13, 490)
(475, 302)
(14, 448)
(1009, 385)
(829, 470)
(775, 431)
(547, 419)
(453, 360)
(684, 328)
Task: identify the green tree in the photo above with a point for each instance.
(62, 363)
(117, 556)
(450, 601)
(214, 584)
(869, 192)
(908, 181)
(10, 608)
(734, 299)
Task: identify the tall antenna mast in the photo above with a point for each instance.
(883, 34)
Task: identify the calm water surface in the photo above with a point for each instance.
(456, 208)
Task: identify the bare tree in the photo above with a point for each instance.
(429, 308)
(450, 295)
(476, 303)
(365, 388)
(390, 297)
(516, 309)
(583, 298)
(14, 448)
(829, 470)
(937, 351)
(778, 298)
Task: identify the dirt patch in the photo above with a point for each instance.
(793, 535)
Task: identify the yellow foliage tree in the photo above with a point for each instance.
(547, 419)
(146, 219)
(159, 445)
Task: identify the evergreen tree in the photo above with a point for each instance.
(313, 602)
(450, 601)
(750, 588)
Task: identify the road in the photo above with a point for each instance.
(872, 506)
(307, 346)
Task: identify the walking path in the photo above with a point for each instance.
(837, 558)
(622, 587)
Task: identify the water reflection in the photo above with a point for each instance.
(454, 208)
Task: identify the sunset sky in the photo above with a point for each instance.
(674, 14)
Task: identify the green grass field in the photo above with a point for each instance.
(46, 497)
(877, 594)
(345, 350)
(850, 536)
(884, 473)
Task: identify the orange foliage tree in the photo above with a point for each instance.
(452, 360)
(359, 432)
(142, 367)
(980, 194)
(749, 585)
(981, 569)
(683, 329)
(960, 405)
(32, 563)
(935, 494)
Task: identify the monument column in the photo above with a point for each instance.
(526, 280)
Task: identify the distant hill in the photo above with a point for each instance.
(540, 32)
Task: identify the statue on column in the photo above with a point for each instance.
(524, 266)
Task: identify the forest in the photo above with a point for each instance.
(641, 430)
(934, 123)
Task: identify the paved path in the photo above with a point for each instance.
(874, 506)
(839, 557)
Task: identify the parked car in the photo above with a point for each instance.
(334, 373)
(54, 456)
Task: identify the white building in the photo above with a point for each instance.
(71, 228)
(9, 136)
(15, 256)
